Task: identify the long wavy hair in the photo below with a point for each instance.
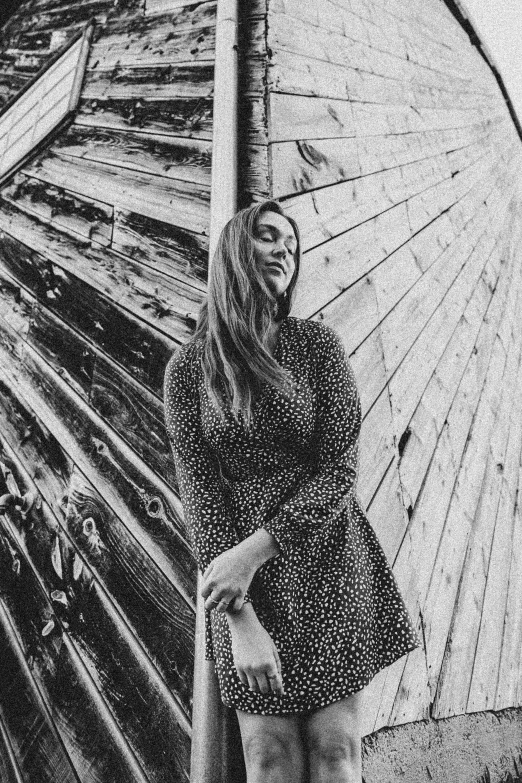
(235, 319)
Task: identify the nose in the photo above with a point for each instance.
(280, 248)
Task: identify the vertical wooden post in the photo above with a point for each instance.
(216, 754)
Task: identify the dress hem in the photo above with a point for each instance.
(325, 701)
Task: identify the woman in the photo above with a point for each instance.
(263, 415)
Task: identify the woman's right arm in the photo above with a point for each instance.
(255, 654)
(197, 471)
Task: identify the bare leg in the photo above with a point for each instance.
(273, 748)
(333, 738)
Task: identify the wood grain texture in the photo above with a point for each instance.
(150, 509)
(163, 246)
(66, 211)
(143, 292)
(184, 159)
(79, 715)
(172, 200)
(149, 603)
(169, 116)
(142, 706)
(37, 749)
(124, 338)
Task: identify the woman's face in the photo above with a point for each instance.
(275, 245)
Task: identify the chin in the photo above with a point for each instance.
(275, 288)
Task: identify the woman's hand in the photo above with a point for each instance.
(255, 654)
(227, 579)
(228, 576)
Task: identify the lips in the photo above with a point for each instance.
(276, 267)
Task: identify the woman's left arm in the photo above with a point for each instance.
(338, 427)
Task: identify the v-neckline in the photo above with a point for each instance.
(277, 344)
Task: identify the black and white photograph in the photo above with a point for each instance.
(260, 391)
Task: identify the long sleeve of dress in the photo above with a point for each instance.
(328, 491)
(197, 470)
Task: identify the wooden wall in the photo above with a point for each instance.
(384, 132)
(103, 255)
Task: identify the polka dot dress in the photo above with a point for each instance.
(329, 599)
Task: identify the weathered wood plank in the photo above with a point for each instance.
(185, 204)
(330, 268)
(486, 664)
(471, 558)
(426, 424)
(148, 601)
(167, 248)
(82, 720)
(70, 17)
(190, 80)
(252, 122)
(413, 699)
(446, 567)
(162, 621)
(69, 212)
(9, 769)
(327, 46)
(387, 511)
(135, 414)
(509, 658)
(481, 269)
(291, 73)
(181, 38)
(419, 300)
(141, 351)
(164, 6)
(164, 303)
(36, 746)
(177, 116)
(72, 357)
(185, 159)
(414, 563)
(295, 117)
(151, 511)
(381, 32)
(311, 163)
(121, 29)
(16, 307)
(322, 214)
(142, 705)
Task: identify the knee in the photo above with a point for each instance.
(337, 754)
(268, 752)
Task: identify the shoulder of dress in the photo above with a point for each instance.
(316, 332)
(184, 360)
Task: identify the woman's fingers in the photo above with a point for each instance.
(276, 684)
(235, 604)
(277, 658)
(263, 683)
(252, 682)
(216, 602)
(224, 601)
(266, 682)
(242, 676)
